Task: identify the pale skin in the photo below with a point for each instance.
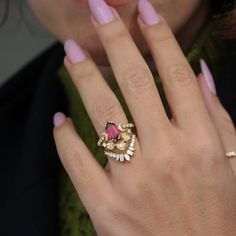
(179, 181)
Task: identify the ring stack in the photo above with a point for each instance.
(118, 141)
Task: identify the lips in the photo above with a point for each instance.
(113, 3)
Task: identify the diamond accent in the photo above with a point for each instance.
(121, 146)
(127, 157)
(110, 145)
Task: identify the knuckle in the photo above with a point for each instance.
(160, 33)
(107, 110)
(226, 121)
(208, 155)
(172, 167)
(138, 79)
(84, 73)
(81, 178)
(226, 117)
(73, 158)
(117, 213)
(140, 190)
(117, 33)
(180, 75)
(204, 148)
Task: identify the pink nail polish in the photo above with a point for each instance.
(58, 119)
(101, 11)
(208, 76)
(148, 13)
(74, 52)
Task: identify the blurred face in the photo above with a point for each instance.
(71, 19)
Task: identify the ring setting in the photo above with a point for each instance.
(119, 141)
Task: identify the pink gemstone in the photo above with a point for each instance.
(112, 131)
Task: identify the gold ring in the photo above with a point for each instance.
(118, 141)
(231, 154)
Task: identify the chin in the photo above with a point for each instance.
(91, 42)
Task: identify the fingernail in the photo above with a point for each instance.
(74, 52)
(208, 76)
(58, 119)
(101, 11)
(148, 13)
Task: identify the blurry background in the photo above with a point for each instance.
(21, 38)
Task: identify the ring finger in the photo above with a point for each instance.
(99, 100)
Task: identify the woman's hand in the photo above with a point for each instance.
(179, 181)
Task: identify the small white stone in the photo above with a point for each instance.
(130, 153)
(131, 149)
(117, 157)
(122, 158)
(127, 157)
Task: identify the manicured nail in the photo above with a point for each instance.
(208, 76)
(74, 52)
(148, 13)
(101, 11)
(58, 119)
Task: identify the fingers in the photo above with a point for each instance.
(178, 79)
(88, 177)
(99, 100)
(219, 115)
(131, 71)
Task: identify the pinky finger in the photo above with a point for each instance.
(219, 115)
(88, 177)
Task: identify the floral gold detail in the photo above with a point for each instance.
(118, 141)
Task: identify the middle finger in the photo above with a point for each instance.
(131, 71)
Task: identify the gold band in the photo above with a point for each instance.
(231, 154)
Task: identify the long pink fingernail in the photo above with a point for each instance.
(208, 76)
(74, 52)
(58, 119)
(101, 11)
(148, 13)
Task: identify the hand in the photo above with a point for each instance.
(179, 181)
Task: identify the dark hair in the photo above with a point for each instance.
(224, 13)
(221, 6)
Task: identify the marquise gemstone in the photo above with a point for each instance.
(112, 131)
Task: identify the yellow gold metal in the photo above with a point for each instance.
(121, 148)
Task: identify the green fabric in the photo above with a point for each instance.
(73, 218)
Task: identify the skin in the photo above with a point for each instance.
(69, 19)
(179, 181)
